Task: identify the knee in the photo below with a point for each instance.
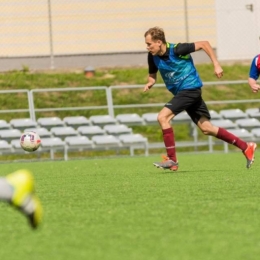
(162, 118)
(207, 130)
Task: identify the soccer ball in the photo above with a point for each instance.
(30, 141)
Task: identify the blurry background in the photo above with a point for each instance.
(46, 34)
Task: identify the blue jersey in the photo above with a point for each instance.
(254, 71)
(178, 72)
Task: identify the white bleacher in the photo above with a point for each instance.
(150, 118)
(41, 131)
(76, 121)
(77, 143)
(214, 115)
(102, 120)
(91, 130)
(10, 134)
(5, 147)
(106, 141)
(117, 129)
(22, 123)
(253, 112)
(134, 141)
(4, 125)
(63, 131)
(49, 122)
(130, 119)
(256, 132)
(224, 123)
(233, 114)
(52, 144)
(248, 123)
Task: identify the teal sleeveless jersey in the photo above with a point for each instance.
(179, 72)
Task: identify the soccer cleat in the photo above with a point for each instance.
(250, 154)
(24, 197)
(167, 164)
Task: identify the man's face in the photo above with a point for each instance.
(154, 47)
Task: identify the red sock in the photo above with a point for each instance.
(226, 136)
(168, 138)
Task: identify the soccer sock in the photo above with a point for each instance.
(6, 190)
(168, 138)
(226, 136)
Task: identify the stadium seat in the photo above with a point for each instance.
(224, 123)
(150, 118)
(134, 141)
(5, 147)
(233, 114)
(248, 123)
(52, 144)
(183, 117)
(105, 141)
(10, 134)
(256, 132)
(4, 125)
(253, 112)
(78, 143)
(41, 131)
(16, 145)
(63, 131)
(91, 130)
(102, 120)
(130, 119)
(76, 121)
(49, 122)
(22, 123)
(117, 129)
(214, 115)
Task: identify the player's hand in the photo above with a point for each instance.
(147, 87)
(255, 88)
(218, 71)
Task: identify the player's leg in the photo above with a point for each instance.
(200, 116)
(248, 149)
(170, 161)
(18, 189)
(176, 105)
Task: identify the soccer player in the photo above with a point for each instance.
(254, 74)
(18, 189)
(181, 78)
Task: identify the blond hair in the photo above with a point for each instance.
(156, 33)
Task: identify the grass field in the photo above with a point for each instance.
(126, 209)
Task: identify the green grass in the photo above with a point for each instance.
(127, 209)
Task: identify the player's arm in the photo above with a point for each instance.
(151, 80)
(253, 76)
(205, 46)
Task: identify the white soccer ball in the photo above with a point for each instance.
(30, 141)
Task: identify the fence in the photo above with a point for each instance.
(110, 105)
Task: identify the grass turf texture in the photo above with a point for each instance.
(127, 209)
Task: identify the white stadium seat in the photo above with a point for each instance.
(233, 114)
(91, 130)
(49, 122)
(23, 123)
(117, 129)
(130, 119)
(76, 121)
(63, 131)
(102, 120)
